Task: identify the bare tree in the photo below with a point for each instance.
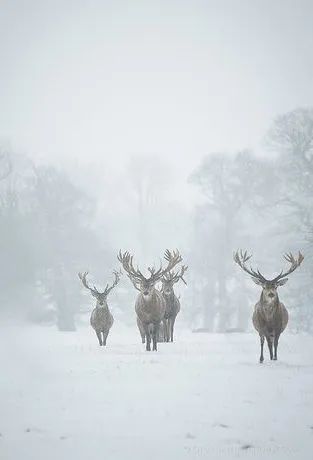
(5, 165)
(149, 178)
(231, 185)
(290, 137)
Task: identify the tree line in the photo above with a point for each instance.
(261, 202)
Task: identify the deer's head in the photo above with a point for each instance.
(269, 287)
(171, 278)
(143, 284)
(101, 296)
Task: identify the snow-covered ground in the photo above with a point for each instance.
(205, 396)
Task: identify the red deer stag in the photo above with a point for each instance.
(171, 301)
(270, 316)
(150, 304)
(101, 318)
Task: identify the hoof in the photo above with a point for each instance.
(275, 358)
(261, 360)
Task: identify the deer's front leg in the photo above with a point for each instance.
(148, 337)
(156, 328)
(172, 327)
(270, 345)
(276, 338)
(105, 336)
(99, 338)
(262, 346)
(165, 330)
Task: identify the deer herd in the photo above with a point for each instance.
(156, 309)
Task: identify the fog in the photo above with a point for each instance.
(143, 126)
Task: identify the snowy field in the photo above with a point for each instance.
(203, 397)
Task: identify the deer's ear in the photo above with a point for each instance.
(282, 282)
(258, 282)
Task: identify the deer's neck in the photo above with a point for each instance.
(169, 296)
(103, 308)
(149, 301)
(269, 307)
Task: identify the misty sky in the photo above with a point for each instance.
(99, 81)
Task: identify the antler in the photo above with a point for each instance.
(117, 277)
(82, 277)
(173, 258)
(295, 263)
(241, 258)
(127, 261)
(175, 277)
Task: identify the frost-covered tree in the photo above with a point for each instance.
(46, 238)
(291, 138)
(67, 243)
(236, 189)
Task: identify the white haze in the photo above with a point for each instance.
(95, 82)
(141, 126)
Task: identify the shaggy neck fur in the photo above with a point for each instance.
(269, 307)
(149, 300)
(103, 307)
(171, 289)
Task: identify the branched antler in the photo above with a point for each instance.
(94, 290)
(294, 264)
(82, 277)
(175, 277)
(173, 258)
(117, 277)
(127, 261)
(241, 258)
